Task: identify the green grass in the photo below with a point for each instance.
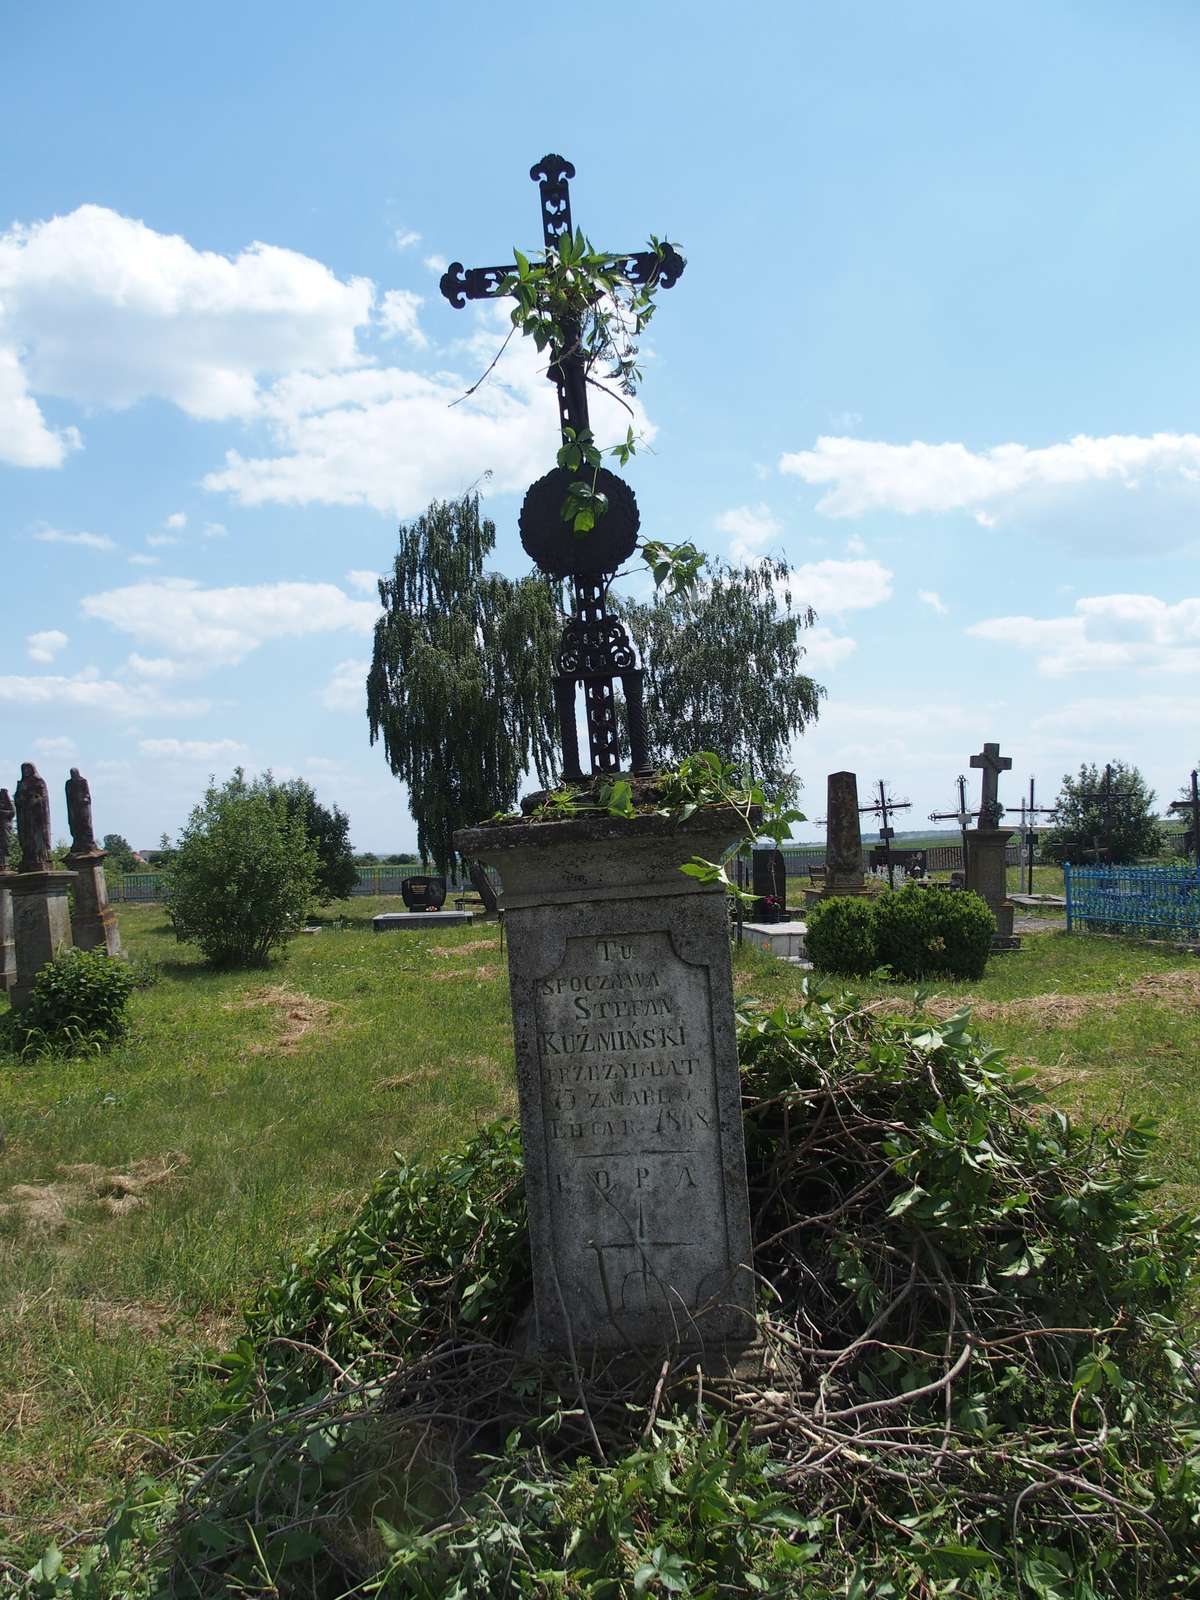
(101, 1320)
(95, 1317)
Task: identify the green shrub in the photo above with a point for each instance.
(243, 876)
(79, 1004)
(841, 936)
(922, 932)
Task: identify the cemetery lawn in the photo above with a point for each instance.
(152, 1190)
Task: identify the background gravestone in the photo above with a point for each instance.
(768, 880)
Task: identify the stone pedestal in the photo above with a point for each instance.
(843, 836)
(93, 920)
(41, 925)
(8, 949)
(627, 1072)
(987, 876)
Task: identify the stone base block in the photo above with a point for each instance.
(93, 920)
(395, 921)
(8, 948)
(41, 926)
(782, 939)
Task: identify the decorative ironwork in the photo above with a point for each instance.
(1161, 900)
(595, 646)
(1106, 797)
(883, 809)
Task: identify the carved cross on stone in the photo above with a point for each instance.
(993, 764)
(595, 647)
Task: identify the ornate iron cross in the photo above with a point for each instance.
(883, 809)
(595, 647)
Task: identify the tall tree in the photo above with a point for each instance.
(1124, 825)
(722, 664)
(327, 829)
(460, 688)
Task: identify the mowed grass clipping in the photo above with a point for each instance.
(145, 1194)
(148, 1193)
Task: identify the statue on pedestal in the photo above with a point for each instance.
(7, 813)
(33, 821)
(79, 814)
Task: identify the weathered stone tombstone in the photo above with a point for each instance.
(93, 920)
(424, 893)
(768, 883)
(619, 965)
(986, 863)
(41, 916)
(843, 836)
(622, 1001)
(8, 949)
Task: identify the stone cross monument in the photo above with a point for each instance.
(93, 920)
(987, 871)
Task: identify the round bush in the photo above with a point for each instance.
(920, 932)
(841, 936)
(79, 1002)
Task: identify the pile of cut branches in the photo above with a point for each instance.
(976, 1379)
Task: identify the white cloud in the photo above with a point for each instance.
(157, 539)
(863, 475)
(824, 648)
(143, 561)
(86, 692)
(215, 530)
(395, 439)
(931, 598)
(436, 263)
(841, 585)
(404, 239)
(177, 519)
(222, 626)
(398, 312)
(1120, 632)
(192, 749)
(749, 528)
(347, 687)
(26, 440)
(158, 667)
(106, 311)
(1095, 717)
(54, 747)
(87, 541)
(45, 646)
(364, 581)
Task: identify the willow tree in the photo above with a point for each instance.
(460, 688)
(723, 668)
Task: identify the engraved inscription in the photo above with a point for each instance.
(627, 1073)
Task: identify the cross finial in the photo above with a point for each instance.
(993, 764)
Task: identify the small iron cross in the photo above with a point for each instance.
(1105, 796)
(883, 809)
(993, 764)
(460, 284)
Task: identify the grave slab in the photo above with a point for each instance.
(622, 1002)
(401, 921)
(783, 939)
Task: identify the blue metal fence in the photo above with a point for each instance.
(1161, 900)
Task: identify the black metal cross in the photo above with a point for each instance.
(1192, 804)
(962, 816)
(1105, 796)
(595, 646)
(1028, 831)
(883, 808)
(993, 764)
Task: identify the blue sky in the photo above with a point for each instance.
(936, 344)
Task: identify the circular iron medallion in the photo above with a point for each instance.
(557, 548)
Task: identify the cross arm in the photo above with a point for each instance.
(662, 267)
